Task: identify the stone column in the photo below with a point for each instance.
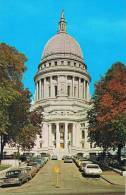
(66, 136)
(74, 135)
(50, 135)
(66, 85)
(79, 86)
(37, 85)
(88, 94)
(51, 87)
(78, 135)
(85, 94)
(45, 135)
(58, 86)
(44, 88)
(40, 89)
(35, 95)
(57, 136)
(73, 85)
(84, 89)
(86, 143)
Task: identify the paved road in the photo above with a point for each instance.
(70, 181)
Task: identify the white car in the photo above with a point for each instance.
(92, 170)
(83, 164)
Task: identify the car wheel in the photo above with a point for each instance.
(20, 183)
(28, 179)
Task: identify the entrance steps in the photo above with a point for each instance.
(60, 153)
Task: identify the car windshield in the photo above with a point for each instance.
(82, 159)
(93, 166)
(38, 161)
(13, 173)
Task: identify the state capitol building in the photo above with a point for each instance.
(62, 89)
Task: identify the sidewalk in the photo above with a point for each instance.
(114, 178)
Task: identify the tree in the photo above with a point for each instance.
(107, 117)
(11, 70)
(16, 120)
(27, 136)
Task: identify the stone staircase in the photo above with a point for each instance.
(60, 153)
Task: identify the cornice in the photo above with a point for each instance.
(64, 69)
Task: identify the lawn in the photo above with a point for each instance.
(2, 167)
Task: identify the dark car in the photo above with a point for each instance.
(31, 171)
(35, 164)
(15, 177)
(40, 162)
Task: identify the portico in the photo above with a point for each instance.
(61, 135)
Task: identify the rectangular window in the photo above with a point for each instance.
(49, 92)
(40, 145)
(75, 91)
(62, 62)
(55, 63)
(68, 62)
(68, 90)
(83, 134)
(55, 91)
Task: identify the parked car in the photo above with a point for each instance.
(31, 171)
(80, 160)
(34, 164)
(68, 159)
(92, 170)
(40, 162)
(83, 164)
(15, 177)
(45, 159)
(54, 157)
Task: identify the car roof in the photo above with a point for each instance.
(14, 170)
(92, 164)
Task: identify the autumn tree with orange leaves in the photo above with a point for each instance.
(107, 117)
(17, 124)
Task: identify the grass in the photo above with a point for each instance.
(2, 167)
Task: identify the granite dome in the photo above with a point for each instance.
(62, 43)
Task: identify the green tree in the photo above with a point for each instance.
(107, 117)
(15, 115)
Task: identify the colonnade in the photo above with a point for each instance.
(50, 87)
(58, 140)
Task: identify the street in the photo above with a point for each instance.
(68, 181)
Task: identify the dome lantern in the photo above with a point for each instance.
(62, 23)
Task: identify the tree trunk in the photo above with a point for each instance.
(2, 144)
(119, 152)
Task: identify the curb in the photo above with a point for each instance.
(110, 181)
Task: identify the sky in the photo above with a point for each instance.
(98, 25)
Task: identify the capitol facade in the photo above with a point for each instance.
(62, 89)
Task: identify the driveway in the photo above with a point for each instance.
(68, 181)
